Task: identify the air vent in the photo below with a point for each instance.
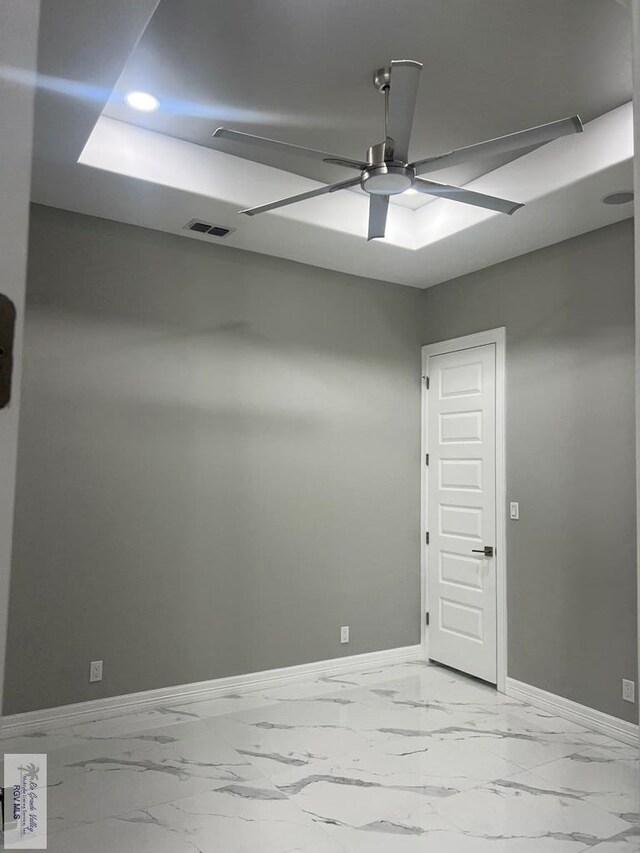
(201, 227)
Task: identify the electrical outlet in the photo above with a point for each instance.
(95, 670)
(628, 690)
(514, 510)
(344, 634)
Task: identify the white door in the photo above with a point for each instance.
(461, 510)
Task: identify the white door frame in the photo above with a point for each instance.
(497, 337)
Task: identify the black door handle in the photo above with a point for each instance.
(487, 551)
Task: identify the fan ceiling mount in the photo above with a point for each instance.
(387, 170)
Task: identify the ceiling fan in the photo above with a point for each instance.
(387, 170)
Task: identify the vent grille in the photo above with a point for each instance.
(208, 228)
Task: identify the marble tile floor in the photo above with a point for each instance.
(409, 757)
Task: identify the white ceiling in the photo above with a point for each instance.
(301, 72)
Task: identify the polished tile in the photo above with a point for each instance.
(94, 787)
(373, 786)
(628, 844)
(243, 818)
(124, 727)
(602, 776)
(399, 838)
(518, 737)
(406, 757)
(524, 806)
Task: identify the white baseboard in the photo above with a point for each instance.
(569, 710)
(98, 709)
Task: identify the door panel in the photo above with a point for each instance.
(461, 509)
(462, 522)
(461, 474)
(460, 570)
(460, 427)
(460, 620)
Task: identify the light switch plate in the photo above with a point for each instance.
(514, 510)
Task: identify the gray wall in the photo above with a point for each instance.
(219, 461)
(18, 48)
(218, 464)
(569, 315)
(635, 29)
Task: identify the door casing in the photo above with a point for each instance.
(497, 337)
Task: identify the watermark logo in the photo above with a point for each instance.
(25, 802)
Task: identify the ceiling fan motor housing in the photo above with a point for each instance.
(382, 78)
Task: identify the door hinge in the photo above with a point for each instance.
(426, 459)
(426, 537)
(426, 382)
(426, 618)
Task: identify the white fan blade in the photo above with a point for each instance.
(264, 144)
(378, 207)
(403, 91)
(501, 145)
(489, 202)
(330, 188)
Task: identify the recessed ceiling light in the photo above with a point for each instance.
(142, 101)
(622, 197)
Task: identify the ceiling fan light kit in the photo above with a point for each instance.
(387, 179)
(387, 170)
